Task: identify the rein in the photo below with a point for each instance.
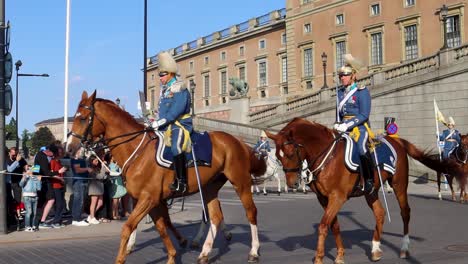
(463, 150)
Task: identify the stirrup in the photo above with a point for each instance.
(178, 186)
(368, 187)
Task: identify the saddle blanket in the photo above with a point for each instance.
(385, 153)
(201, 143)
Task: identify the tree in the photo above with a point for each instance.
(26, 145)
(42, 137)
(10, 130)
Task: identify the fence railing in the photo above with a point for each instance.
(412, 67)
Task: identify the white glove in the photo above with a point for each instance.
(342, 127)
(335, 126)
(156, 124)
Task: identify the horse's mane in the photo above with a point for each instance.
(118, 111)
(300, 127)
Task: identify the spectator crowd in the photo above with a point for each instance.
(54, 190)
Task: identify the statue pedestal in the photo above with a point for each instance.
(240, 110)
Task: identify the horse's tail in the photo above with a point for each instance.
(429, 160)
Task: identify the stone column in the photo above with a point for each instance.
(240, 110)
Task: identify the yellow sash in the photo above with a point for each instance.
(186, 145)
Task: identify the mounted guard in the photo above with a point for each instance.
(262, 147)
(353, 111)
(450, 138)
(174, 118)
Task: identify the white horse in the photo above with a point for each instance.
(273, 166)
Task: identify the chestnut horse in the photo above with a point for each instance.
(133, 148)
(334, 183)
(460, 156)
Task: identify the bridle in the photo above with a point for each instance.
(86, 138)
(464, 151)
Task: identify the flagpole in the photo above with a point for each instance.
(65, 99)
(436, 108)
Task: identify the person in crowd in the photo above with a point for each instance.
(118, 189)
(58, 186)
(80, 176)
(14, 164)
(451, 138)
(96, 188)
(30, 184)
(47, 198)
(262, 147)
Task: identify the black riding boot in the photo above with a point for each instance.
(180, 181)
(367, 171)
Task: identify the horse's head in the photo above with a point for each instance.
(291, 154)
(84, 129)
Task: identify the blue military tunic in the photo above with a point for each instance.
(353, 109)
(451, 138)
(174, 106)
(262, 147)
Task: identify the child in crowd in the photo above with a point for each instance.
(31, 184)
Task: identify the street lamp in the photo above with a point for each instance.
(18, 64)
(443, 17)
(117, 101)
(324, 63)
(192, 90)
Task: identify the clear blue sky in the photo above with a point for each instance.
(106, 45)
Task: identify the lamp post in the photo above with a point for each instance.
(324, 63)
(192, 90)
(117, 101)
(18, 64)
(443, 17)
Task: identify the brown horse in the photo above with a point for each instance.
(460, 156)
(334, 183)
(148, 183)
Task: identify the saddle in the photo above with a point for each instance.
(385, 152)
(201, 144)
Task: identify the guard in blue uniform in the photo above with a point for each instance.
(353, 111)
(262, 147)
(450, 137)
(174, 117)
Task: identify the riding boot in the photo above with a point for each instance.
(367, 171)
(180, 181)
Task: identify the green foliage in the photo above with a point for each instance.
(10, 130)
(26, 145)
(42, 137)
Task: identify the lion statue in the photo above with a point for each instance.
(240, 88)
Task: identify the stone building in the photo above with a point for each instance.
(293, 52)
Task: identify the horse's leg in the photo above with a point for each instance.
(329, 220)
(143, 206)
(439, 175)
(264, 188)
(379, 214)
(405, 211)
(165, 214)
(335, 227)
(132, 239)
(160, 221)
(216, 218)
(246, 198)
(279, 182)
(449, 179)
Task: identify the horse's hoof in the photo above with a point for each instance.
(252, 259)
(183, 243)
(203, 260)
(404, 254)
(318, 261)
(376, 256)
(194, 245)
(454, 199)
(171, 260)
(279, 193)
(265, 193)
(130, 250)
(339, 260)
(228, 236)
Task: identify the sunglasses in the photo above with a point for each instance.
(162, 74)
(344, 74)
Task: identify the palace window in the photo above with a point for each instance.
(340, 52)
(262, 73)
(242, 73)
(339, 19)
(375, 9)
(223, 79)
(206, 85)
(453, 31)
(376, 49)
(284, 69)
(411, 42)
(308, 62)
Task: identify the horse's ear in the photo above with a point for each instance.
(271, 135)
(84, 95)
(93, 96)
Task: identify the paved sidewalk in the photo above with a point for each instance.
(185, 217)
